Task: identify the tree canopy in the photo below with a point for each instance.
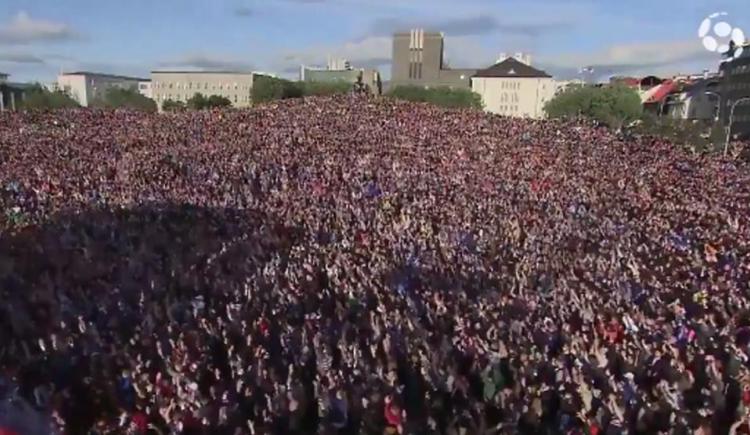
(200, 102)
(325, 88)
(118, 98)
(36, 97)
(440, 96)
(172, 106)
(612, 105)
(267, 88)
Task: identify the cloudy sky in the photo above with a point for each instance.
(39, 38)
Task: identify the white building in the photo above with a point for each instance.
(84, 86)
(144, 88)
(183, 85)
(338, 64)
(513, 88)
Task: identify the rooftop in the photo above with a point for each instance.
(425, 32)
(511, 67)
(199, 72)
(107, 76)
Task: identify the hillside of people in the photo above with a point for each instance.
(347, 265)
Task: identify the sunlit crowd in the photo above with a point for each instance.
(348, 265)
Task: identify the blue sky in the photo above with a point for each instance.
(39, 38)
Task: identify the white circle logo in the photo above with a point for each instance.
(717, 33)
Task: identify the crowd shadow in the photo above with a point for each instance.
(98, 262)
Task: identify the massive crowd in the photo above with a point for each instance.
(348, 265)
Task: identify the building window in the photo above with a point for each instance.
(170, 86)
(205, 86)
(235, 98)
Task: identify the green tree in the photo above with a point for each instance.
(696, 136)
(218, 101)
(36, 97)
(440, 96)
(172, 106)
(326, 88)
(118, 98)
(267, 88)
(612, 105)
(197, 102)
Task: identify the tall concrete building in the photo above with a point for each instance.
(182, 85)
(418, 60)
(85, 86)
(735, 92)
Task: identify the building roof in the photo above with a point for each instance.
(659, 92)
(430, 33)
(200, 72)
(511, 67)
(108, 76)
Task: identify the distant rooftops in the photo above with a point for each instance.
(511, 67)
(108, 76)
(200, 72)
(422, 31)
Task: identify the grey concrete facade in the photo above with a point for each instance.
(417, 60)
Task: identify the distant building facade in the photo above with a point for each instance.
(418, 60)
(734, 87)
(369, 77)
(696, 100)
(513, 88)
(11, 94)
(182, 85)
(85, 87)
(338, 64)
(144, 88)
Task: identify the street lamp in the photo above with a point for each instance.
(718, 103)
(731, 119)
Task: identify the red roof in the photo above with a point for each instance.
(659, 92)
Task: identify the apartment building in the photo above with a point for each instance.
(513, 88)
(735, 94)
(11, 94)
(85, 86)
(418, 60)
(182, 85)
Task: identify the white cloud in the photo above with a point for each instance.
(655, 54)
(376, 52)
(20, 58)
(366, 52)
(202, 61)
(23, 29)
(661, 58)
